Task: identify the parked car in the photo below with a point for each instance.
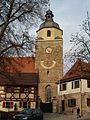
(29, 114)
(38, 114)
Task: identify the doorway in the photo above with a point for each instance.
(63, 105)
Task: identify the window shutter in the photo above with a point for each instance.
(29, 104)
(4, 104)
(20, 104)
(72, 85)
(11, 104)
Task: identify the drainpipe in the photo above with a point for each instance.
(81, 95)
(60, 100)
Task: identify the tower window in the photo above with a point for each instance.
(48, 33)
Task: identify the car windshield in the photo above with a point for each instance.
(26, 111)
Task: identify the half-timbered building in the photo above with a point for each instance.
(18, 84)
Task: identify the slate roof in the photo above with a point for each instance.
(79, 70)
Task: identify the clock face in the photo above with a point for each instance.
(48, 50)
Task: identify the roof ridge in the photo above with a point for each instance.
(79, 69)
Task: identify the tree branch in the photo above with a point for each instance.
(13, 45)
(7, 20)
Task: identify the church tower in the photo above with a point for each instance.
(49, 57)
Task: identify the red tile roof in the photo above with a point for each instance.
(18, 71)
(18, 64)
(19, 79)
(79, 70)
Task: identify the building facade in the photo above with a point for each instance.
(74, 89)
(49, 57)
(18, 84)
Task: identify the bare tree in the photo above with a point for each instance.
(80, 44)
(16, 18)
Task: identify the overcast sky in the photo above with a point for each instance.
(69, 14)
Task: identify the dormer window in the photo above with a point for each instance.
(48, 33)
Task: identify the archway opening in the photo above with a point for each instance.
(48, 93)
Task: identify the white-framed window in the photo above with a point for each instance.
(88, 83)
(63, 86)
(16, 89)
(32, 89)
(75, 84)
(9, 89)
(26, 89)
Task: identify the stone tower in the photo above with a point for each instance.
(49, 57)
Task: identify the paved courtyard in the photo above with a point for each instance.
(57, 116)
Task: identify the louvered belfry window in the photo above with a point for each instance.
(48, 33)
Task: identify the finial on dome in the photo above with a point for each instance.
(48, 4)
(49, 15)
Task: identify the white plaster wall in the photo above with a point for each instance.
(83, 88)
(69, 89)
(84, 84)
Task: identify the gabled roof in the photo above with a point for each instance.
(18, 71)
(79, 70)
(19, 79)
(18, 64)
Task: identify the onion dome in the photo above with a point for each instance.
(49, 23)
